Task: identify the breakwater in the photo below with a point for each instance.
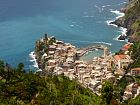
(85, 50)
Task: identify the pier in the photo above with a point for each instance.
(85, 50)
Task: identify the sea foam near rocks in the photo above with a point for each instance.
(33, 59)
(122, 29)
(118, 13)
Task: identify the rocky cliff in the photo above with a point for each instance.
(131, 20)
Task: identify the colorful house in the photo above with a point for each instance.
(135, 71)
(122, 61)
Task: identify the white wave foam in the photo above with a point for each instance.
(33, 59)
(122, 3)
(97, 42)
(111, 9)
(113, 5)
(91, 42)
(106, 6)
(109, 23)
(118, 13)
(117, 39)
(99, 8)
(104, 43)
(123, 32)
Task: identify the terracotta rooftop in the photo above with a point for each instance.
(138, 69)
(126, 46)
(119, 57)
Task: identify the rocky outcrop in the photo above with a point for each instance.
(131, 20)
(119, 22)
(122, 37)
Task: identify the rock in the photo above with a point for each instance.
(130, 21)
(131, 40)
(123, 10)
(122, 37)
(119, 22)
(130, 32)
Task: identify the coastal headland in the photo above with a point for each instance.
(56, 57)
(63, 77)
(130, 20)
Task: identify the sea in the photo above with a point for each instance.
(80, 22)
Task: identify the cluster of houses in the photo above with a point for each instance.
(131, 91)
(63, 59)
(92, 74)
(121, 61)
(62, 55)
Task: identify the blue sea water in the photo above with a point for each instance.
(80, 22)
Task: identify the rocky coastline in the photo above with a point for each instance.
(55, 57)
(48, 48)
(131, 21)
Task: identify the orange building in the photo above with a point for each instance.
(122, 61)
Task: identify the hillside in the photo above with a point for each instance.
(131, 20)
(20, 88)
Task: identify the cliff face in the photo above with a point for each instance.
(131, 20)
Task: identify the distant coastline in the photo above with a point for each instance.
(122, 29)
(85, 51)
(109, 22)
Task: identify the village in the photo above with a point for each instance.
(57, 57)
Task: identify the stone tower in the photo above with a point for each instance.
(106, 52)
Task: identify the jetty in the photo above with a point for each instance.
(85, 50)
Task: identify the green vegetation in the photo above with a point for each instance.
(135, 54)
(136, 27)
(133, 9)
(41, 47)
(51, 41)
(132, 19)
(20, 88)
(107, 92)
(135, 101)
(137, 79)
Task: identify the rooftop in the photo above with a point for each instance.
(126, 47)
(52, 46)
(138, 69)
(52, 60)
(120, 57)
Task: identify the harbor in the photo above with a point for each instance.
(57, 57)
(85, 50)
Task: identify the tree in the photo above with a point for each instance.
(135, 101)
(2, 66)
(20, 67)
(107, 92)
